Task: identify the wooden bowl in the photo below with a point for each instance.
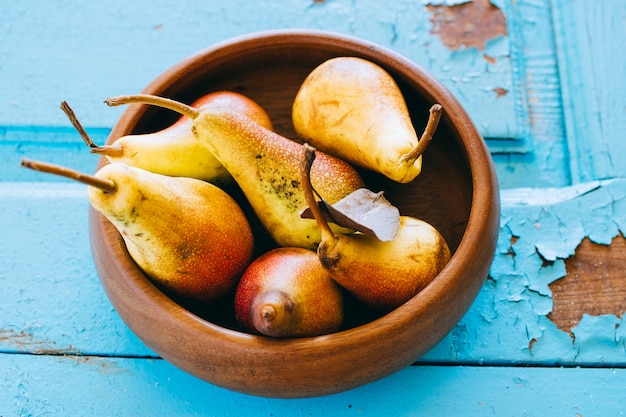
(457, 192)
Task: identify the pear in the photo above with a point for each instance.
(287, 293)
(266, 166)
(381, 274)
(352, 108)
(188, 235)
(174, 151)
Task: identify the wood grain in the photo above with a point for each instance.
(468, 25)
(595, 284)
(591, 71)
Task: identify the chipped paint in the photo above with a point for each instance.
(592, 285)
(105, 366)
(500, 91)
(490, 59)
(467, 25)
(24, 341)
(552, 64)
(591, 75)
(540, 232)
(550, 226)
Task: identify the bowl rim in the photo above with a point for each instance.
(484, 215)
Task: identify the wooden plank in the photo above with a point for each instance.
(64, 350)
(50, 296)
(510, 86)
(52, 300)
(510, 320)
(60, 145)
(592, 64)
(85, 54)
(543, 161)
(71, 386)
(466, 51)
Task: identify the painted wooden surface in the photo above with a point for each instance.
(88, 386)
(545, 90)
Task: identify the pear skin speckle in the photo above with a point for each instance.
(186, 234)
(266, 166)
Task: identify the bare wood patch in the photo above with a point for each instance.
(490, 59)
(467, 25)
(500, 92)
(595, 284)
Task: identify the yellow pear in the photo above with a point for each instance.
(266, 166)
(188, 235)
(352, 108)
(382, 274)
(174, 151)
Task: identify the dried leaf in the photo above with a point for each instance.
(364, 211)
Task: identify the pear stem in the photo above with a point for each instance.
(114, 150)
(74, 120)
(166, 103)
(93, 147)
(427, 136)
(308, 156)
(108, 186)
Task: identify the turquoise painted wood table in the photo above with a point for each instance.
(545, 83)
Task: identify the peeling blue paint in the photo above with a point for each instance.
(597, 340)
(540, 225)
(591, 72)
(164, 38)
(507, 323)
(525, 126)
(544, 96)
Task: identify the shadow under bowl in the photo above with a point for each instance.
(457, 193)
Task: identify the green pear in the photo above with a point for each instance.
(174, 151)
(266, 166)
(188, 235)
(381, 274)
(352, 108)
(287, 293)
